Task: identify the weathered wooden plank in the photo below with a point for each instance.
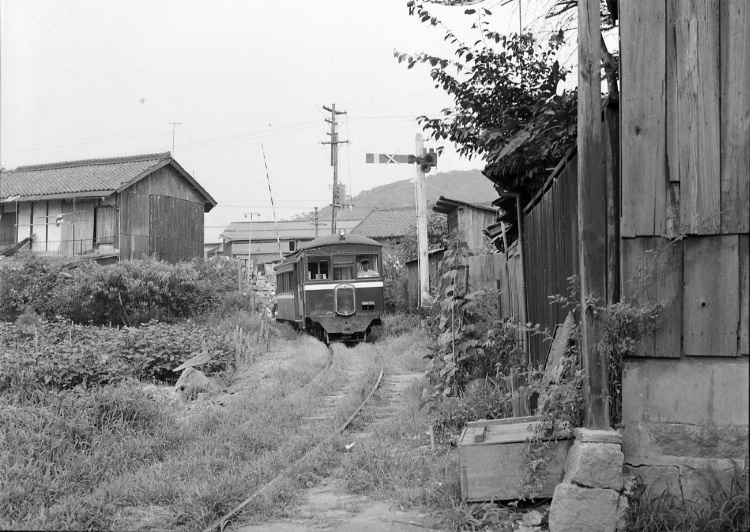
(712, 301)
(652, 274)
(744, 332)
(591, 212)
(735, 116)
(612, 173)
(643, 65)
(696, 29)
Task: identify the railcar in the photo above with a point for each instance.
(332, 287)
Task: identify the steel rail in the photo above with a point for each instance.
(221, 522)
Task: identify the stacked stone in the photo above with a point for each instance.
(590, 497)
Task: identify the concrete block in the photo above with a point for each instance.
(577, 509)
(643, 439)
(595, 465)
(691, 390)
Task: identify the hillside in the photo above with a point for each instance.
(468, 185)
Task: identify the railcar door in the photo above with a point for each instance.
(299, 294)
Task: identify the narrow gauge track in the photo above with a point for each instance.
(221, 522)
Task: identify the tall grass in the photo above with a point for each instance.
(123, 457)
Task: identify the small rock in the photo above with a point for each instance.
(309, 484)
(532, 518)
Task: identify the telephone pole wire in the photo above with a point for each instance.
(335, 205)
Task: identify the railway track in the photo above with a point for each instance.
(357, 368)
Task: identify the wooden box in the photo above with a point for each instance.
(491, 459)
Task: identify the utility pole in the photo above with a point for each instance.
(174, 124)
(316, 222)
(592, 201)
(334, 162)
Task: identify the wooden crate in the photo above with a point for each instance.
(491, 459)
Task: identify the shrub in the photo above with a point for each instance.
(66, 355)
(27, 284)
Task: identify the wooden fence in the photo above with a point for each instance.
(550, 238)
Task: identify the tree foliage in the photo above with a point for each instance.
(507, 106)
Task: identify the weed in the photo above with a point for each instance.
(724, 509)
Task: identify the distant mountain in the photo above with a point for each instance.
(464, 185)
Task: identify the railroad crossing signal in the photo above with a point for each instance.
(425, 163)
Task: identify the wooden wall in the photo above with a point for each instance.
(686, 171)
(163, 215)
(471, 223)
(7, 226)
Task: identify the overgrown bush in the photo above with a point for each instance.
(128, 293)
(395, 284)
(133, 292)
(28, 284)
(66, 355)
(472, 341)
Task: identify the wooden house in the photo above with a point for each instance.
(467, 220)
(387, 226)
(119, 208)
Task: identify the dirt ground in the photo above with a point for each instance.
(327, 505)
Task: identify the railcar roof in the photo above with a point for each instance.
(330, 240)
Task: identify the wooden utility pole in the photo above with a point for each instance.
(335, 205)
(592, 203)
(424, 267)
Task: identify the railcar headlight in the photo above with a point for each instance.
(342, 232)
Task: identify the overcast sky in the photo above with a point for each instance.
(99, 78)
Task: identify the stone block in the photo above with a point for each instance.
(659, 479)
(577, 509)
(595, 465)
(706, 481)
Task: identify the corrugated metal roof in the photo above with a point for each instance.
(387, 223)
(85, 178)
(288, 230)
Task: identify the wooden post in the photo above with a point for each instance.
(592, 202)
(424, 271)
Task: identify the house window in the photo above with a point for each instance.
(291, 245)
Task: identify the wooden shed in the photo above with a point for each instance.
(467, 220)
(123, 207)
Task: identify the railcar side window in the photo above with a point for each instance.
(367, 266)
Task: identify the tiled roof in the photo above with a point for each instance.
(287, 230)
(81, 178)
(387, 223)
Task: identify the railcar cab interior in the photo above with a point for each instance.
(343, 267)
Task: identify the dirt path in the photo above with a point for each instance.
(327, 505)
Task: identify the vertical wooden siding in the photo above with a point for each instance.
(686, 171)
(550, 236)
(162, 215)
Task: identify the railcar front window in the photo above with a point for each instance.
(367, 266)
(317, 268)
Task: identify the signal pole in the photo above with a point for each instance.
(334, 142)
(423, 265)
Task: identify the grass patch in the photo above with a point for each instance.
(135, 456)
